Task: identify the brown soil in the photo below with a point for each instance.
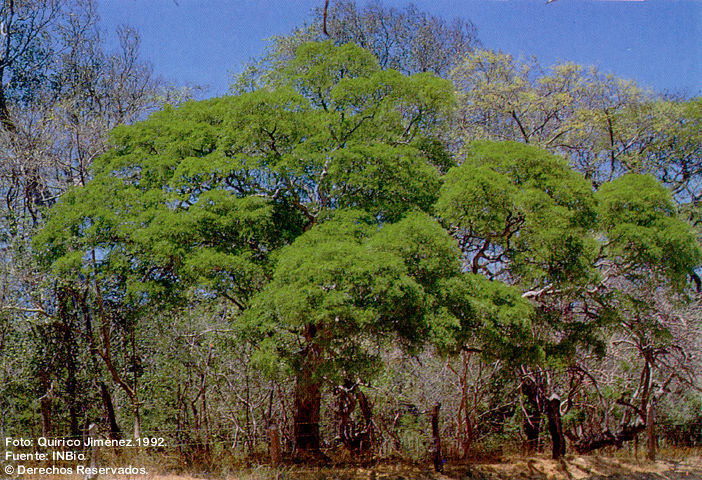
(516, 468)
(512, 468)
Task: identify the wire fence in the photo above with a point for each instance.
(409, 440)
(410, 443)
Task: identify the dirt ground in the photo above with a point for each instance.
(572, 468)
(512, 468)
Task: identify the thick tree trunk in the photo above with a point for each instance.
(307, 405)
(608, 439)
(308, 397)
(357, 436)
(555, 426)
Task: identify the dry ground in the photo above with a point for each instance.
(513, 468)
(534, 468)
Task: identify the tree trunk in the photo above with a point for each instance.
(366, 435)
(137, 421)
(651, 429)
(71, 381)
(532, 418)
(72, 391)
(469, 436)
(308, 397)
(45, 407)
(608, 439)
(307, 405)
(356, 435)
(115, 432)
(555, 426)
(45, 404)
(276, 456)
(436, 434)
(68, 352)
(94, 460)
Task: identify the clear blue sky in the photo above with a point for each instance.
(657, 43)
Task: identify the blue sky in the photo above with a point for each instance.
(657, 43)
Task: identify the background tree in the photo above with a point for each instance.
(408, 40)
(605, 126)
(61, 94)
(524, 216)
(645, 260)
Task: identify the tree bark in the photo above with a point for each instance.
(45, 404)
(45, 407)
(366, 435)
(72, 391)
(115, 432)
(308, 396)
(357, 436)
(608, 439)
(532, 418)
(651, 429)
(69, 353)
(307, 405)
(276, 457)
(438, 461)
(94, 460)
(555, 426)
(137, 421)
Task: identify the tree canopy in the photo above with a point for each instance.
(346, 214)
(208, 190)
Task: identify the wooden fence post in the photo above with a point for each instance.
(276, 457)
(438, 461)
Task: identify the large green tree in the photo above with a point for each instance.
(341, 294)
(524, 217)
(198, 199)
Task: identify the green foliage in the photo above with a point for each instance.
(523, 216)
(520, 214)
(203, 194)
(606, 126)
(269, 202)
(303, 213)
(349, 288)
(638, 219)
(493, 317)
